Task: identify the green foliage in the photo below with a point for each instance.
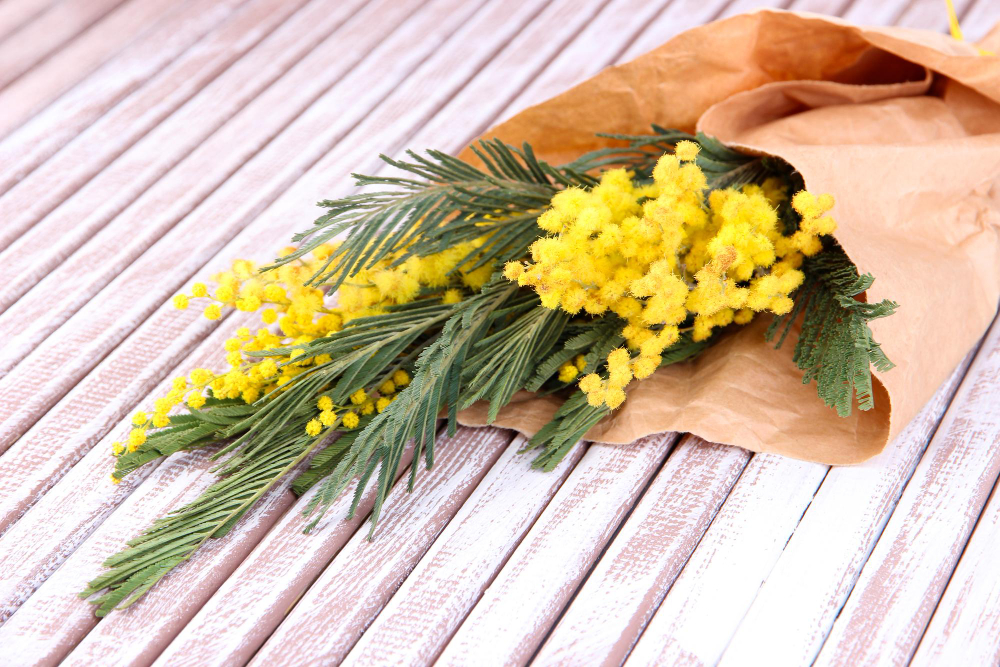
(835, 346)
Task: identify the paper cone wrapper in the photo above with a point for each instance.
(901, 126)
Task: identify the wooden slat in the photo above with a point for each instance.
(708, 600)
(74, 61)
(930, 14)
(86, 156)
(797, 605)
(332, 614)
(53, 366)
(250, 604)
(16, 13)
(33, 142)
(51, 239)
(889, 608)
(877, 13)
(965, 628)
(627, 585)
(680, 15)
(527, 596)
(982, 17)
(430, 605)
(28, 46)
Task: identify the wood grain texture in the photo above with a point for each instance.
(611, 609)
(35, 141)
(965, 628)
(16, 13)
(136, 291)
(74, 61)
(429, 606)
(901, 583)
(253, 601)
(795, 608)
(705, 605)
(34, 41)
(330, 617)
(88, 154)
(515, 613)
(982, 17)
(52, 239)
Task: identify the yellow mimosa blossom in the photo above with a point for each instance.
(351, 420)
(667, 255)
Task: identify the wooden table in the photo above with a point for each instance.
(146, 143)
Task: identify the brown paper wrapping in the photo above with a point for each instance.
(901, 126)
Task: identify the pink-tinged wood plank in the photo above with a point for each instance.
(64, 517)
(111, 135)
(980, 18)
(32, 143)
(705, 605)
(330, 617)
(45, 629)
(515, 613)
(604, 37)
(878, 13)
(29, 45)
(797, 605)
(930, 14)
(59, 361)
(138, 634)
(51, 239)
(253, 601)
(678, 16)
(904, 577)
(610, 610)
(74, 61)
(965, 628)
(429, 606)
(16, 13)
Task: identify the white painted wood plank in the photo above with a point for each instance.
(55, 364)
(114, 133)
(44, 630)
(269, 69)
(515, 613)
(705, 605)
(831, 7)
(901, 583)
(36, 545)
(16, 13)
(626, 586)
(965, 628)
(797, 605)
(250, 604)
(679, 15)
(75, 60)
(261, 236)
(36, 40)
(431, 603)
(33, 142)
(337, 608)
(980, 19)
(930, 14)
(885, 12)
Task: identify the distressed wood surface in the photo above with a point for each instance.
(34, 41)
(74, 60)
(525, 599)
(131, 127)
(36, 140)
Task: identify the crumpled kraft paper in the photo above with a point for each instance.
(901, 126)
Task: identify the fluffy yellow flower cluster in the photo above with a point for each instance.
(302, 315)
(662, 254)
